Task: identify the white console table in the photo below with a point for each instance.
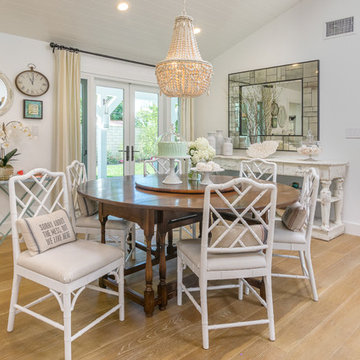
(329, 171)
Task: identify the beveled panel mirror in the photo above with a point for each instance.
(6, 94)
(278, 103)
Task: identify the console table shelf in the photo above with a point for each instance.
(332, 175)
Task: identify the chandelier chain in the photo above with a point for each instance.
(184, 8)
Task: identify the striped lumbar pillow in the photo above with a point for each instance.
(44, 232)
(87, 206)
(294, 217)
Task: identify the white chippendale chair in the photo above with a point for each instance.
(258, 169)
(300, 241)
(64, 270)
(162, 167)
(116, 228)
(239, 259)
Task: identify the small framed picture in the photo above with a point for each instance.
(33, 109)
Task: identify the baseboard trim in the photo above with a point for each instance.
(352, 228)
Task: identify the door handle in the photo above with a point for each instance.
(132, 153)
(127, 152)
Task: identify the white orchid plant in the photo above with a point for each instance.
(200, 151)
(11, 131)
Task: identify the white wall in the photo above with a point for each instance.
(296, 36)
(16, 53)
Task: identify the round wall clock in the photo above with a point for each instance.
(31, 82)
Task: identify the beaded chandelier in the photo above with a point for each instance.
(183, 73)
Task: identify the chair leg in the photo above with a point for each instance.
(311, 275)
(67, 325)
(179, 280)
(14, 299)
(241, 290)
(303, 265)
(121, 293)
(270, 308)
(247, 290)
(204, 313)
(193, 230)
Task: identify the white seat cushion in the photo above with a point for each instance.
(71, 261)
(191, 249)
(284, 235)
(113, 223)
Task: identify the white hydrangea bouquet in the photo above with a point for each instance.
(200, 151)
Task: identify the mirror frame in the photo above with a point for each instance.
(10, 90)
(308, 72)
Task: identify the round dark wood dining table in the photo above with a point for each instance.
(148, 202)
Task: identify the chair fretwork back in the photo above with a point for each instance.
(248, 196)
(160, 166)
(308, 197)
(76, 175)
(258, 169)
(36, 193)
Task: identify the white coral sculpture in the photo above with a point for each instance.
(262, 150)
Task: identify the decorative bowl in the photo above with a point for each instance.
(309, 151)
(262, 150)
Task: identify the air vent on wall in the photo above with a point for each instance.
(340, 27)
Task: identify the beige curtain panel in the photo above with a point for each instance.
(67, 139)
(187, 118)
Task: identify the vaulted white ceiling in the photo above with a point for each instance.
(143, 33)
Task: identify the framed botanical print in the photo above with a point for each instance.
(33, 109)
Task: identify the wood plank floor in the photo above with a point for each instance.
(329, 329)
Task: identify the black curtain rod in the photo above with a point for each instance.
(62, 47)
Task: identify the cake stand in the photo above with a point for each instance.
(172, 177)
(205, 175)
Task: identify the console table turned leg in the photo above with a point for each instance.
(325, 198)
(339, 193)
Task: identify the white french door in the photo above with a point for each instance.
(127, 122)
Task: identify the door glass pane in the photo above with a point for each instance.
(146, 127)
(83, 120)
(109, 132)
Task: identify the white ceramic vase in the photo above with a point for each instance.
(219, 142)
(227, 147)
(211, 139)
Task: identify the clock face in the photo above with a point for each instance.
(32, 83)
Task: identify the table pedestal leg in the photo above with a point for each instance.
(162, 288)
(170, 247)
(103, 220)
(149, 301)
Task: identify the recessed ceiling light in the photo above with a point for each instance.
(197, 30)
(123, 6)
